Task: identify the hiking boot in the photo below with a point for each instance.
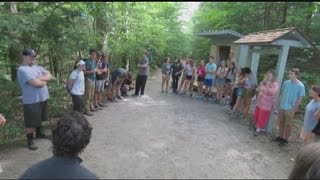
(31, 144)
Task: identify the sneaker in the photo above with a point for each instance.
(110, 99)
(161, 91)
(277, 139)
(93, 110)
(102, 105)
(120, 98)
(283, 142)
(32, 146)
(97, 107)
(88, 114)
(134, 95)
(255, 133)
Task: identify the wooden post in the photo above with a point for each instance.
(281, 66)
(218, 55)
(255, 60)
(243, 55)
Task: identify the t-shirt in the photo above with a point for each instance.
(201, 71)
(101, 65)
(290, 93)
(58, 167)
(251, 81)
(231, 75)
(166, 68)
(189, 70)
(31, 94)
(309, 121)
(119, 72)
(90, 66)
(144, 71)
(176, 67)
(78, 84)
(210, 67)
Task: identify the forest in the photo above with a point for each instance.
(62, 32)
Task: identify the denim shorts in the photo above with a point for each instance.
(208, 82)
(221, 81)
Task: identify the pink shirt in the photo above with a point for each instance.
(267, 95)
(201, 71)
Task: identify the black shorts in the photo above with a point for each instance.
(35, 113)
(188, 77)
(200, 79)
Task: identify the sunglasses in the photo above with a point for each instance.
(33, 56)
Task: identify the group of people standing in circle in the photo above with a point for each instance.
(235, 89)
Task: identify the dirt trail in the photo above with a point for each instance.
(166, 136)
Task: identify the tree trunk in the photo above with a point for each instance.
(14, 50)
(284, 14)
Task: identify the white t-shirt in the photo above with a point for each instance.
(78, 84)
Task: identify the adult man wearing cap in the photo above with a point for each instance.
(142, 74)
(90, 78)
(76, 85)
(101, 76)
(33, 83)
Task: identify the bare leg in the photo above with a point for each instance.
(167, 83)
(287, 132)
(186, 83)
(281, 129)
(162, 83)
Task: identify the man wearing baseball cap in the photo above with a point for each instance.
(33, 83)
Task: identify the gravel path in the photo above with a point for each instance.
(166, 136)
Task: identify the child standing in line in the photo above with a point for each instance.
(201, 72)
(240, 82)
(166, 69)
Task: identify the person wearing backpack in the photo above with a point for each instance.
(76, 85)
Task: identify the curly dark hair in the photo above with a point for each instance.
(71, 134)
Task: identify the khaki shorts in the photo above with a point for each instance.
(285, 116)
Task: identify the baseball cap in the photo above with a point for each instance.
(28, 52)
(81, 62)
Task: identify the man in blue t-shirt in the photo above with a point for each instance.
(210, 69)
(291, 96)
(33, 83)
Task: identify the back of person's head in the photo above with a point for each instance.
(71, 135)
(246, 70)
(305, 159)
(314, 170)
(92, 51)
